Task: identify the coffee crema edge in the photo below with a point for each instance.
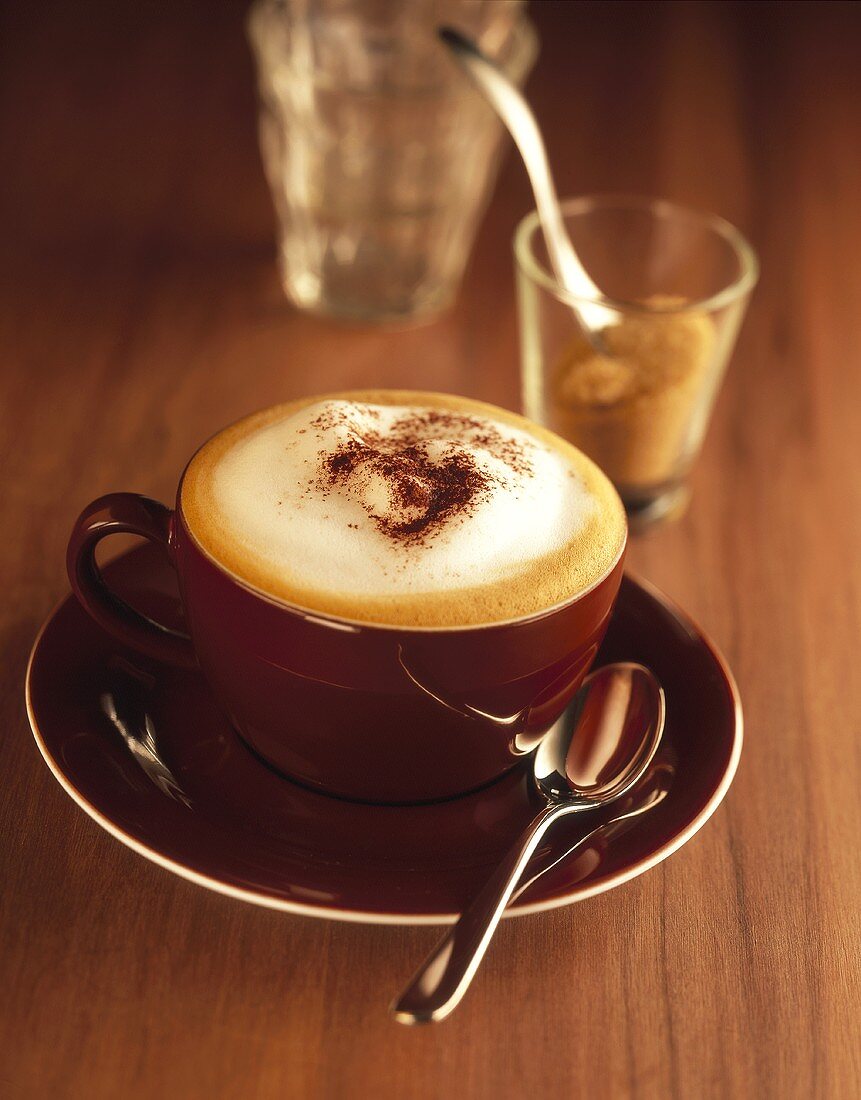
(555, 579)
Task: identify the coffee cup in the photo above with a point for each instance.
(409, 691)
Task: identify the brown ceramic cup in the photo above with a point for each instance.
(365, 711)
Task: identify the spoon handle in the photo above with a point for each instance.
(514, 110)
(445, 975)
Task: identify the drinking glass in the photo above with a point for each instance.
(379, 152)
(637, 399)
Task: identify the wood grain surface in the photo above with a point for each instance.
(140, 310)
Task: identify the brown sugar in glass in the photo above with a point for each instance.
(639, 404)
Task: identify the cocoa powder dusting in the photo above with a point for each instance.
(413, 479)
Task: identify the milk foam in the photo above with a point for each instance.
(276, 500)
(403, 508)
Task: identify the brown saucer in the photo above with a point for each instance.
(147, 754)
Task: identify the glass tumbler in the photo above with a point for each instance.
(379, 152)
(636, 397)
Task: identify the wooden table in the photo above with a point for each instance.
(141, 310)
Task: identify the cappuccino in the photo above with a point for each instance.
(401, 508)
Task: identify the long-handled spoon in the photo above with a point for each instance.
(596, 752)
(511, 106)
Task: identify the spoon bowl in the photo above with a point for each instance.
(606, 738)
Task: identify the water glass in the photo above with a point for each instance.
(379, 152)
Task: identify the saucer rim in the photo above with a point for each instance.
(359, 916)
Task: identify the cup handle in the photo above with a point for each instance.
(114, 514)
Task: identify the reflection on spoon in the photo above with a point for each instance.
(124, 709)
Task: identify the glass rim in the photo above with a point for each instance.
(523, 44)
(746, 255)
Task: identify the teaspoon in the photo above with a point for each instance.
(594, 754)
